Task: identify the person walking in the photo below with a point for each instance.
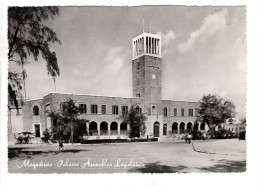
(61, 144)
(189, 137)
(186, 137)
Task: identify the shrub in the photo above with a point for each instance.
(46, 136)
(104, 141)
(19, 140)
(143, 139)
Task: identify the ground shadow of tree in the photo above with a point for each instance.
(157, 168)
(227, 166)
(28, 154)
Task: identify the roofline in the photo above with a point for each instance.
(93, 95)
(180, 101)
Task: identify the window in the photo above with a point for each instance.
(82, 108)
(103, 109)
(190, 112)
(138, 109)
(154, 109)
(138, 65)
(182, 112)
(138, 81)
(35, 110)
(114, 109)
(48, 107)
(196, 111)
(138, 95)
(124, 110)
(165, 111)
(94, 109)
(62, 106)
(175, 111)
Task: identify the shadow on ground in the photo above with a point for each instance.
(227, 166)
(22, 154)
(157, 168)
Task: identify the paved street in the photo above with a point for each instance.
(154, 157)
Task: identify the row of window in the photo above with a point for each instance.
(190, 112)
(94, 109)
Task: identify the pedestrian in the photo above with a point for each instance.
(204, 136)
(189, 137)
(186, 137)
(60, 144)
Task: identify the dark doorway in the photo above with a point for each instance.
(156, 129)
(165, 129)
(37, 130)
(175, 128)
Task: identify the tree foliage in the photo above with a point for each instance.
(136, 120)
(215, 111)
(66, 123)
(28, 35)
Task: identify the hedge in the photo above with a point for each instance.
(144, 139)
(118, 140)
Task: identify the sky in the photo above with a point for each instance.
(203, 52)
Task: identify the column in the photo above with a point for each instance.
(155, 46)
(98, 128)
(108, 129)
(133, 47)
(159, 47)
(178, 129)
(87, 128)
(118, 129)
(149, 45)
(152, 45)
(144, 38)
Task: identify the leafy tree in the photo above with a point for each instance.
(28, 35)
(66, 122)
(136, 120)
(215, 111)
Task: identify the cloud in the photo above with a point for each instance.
(167, 38)
(211, 25)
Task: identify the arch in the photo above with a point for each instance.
(175, 128)
(156, 129)
(202, 126)
(114, 128)
(189, 126)
(196, 126)
(165, 129)
(93, 128)
(123, 128)
(103, 128)
(182, 127)
(36, 110)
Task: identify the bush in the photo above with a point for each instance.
(46, 136)
(19, 140)
(143, 139)
(242, 135)
(118, 140)
(104, 141)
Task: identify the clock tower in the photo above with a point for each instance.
(147, 73)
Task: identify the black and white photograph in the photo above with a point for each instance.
(126, 89)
